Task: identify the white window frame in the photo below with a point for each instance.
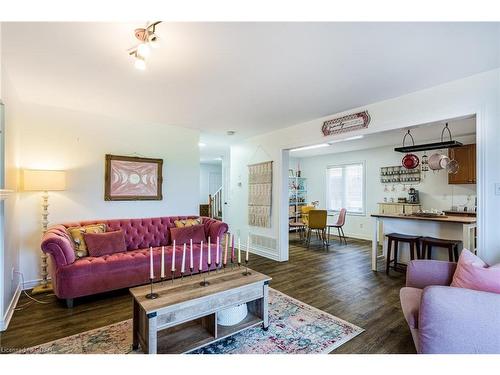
(327, 185)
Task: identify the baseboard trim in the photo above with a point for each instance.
(30, 284)
(263, 252)
(10, 311)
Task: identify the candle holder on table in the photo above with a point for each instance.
(172, 273)
(152, 295)
(204, 282)
(247, 272)
(191, 271)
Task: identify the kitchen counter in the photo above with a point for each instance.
(452, 227)
(448, 219)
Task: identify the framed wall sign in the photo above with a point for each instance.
(129, 178)
(347, 123)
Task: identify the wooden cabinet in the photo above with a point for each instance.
(394, 208)
(466, 157)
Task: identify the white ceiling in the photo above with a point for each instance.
(248, 77)
(425, 133)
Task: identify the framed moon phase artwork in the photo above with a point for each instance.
(130, 178)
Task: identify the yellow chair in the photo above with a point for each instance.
(304, 210)
(317, 222)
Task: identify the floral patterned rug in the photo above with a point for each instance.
(294, 328)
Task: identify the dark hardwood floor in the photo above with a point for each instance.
(338, 281)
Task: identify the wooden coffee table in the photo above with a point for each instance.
(184, 316)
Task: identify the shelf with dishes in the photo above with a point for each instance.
(399, 174)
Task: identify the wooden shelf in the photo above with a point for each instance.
(249, 321)
(184, 337)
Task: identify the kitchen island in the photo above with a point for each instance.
(447, 227)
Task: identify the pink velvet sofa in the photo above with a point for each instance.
(73, 277)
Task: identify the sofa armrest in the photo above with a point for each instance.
(422, 273)
(456, 320)
(57, 243)
(215, 228)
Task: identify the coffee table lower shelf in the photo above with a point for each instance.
(198, 333)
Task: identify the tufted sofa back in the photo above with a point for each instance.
(143, 233)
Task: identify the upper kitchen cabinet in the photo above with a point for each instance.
(466, 157)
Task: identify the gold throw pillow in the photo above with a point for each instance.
(79, 242)
(187, 222)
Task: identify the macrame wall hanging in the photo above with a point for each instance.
(260, 187)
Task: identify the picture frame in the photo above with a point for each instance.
(130, 178)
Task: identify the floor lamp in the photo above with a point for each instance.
(44, 181)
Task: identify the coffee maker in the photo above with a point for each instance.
(413, 196)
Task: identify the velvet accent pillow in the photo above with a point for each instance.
(79, 241)
(187, 222)
(99, 244)
(184, 234)
(473, 273)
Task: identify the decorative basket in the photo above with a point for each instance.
(232, 315)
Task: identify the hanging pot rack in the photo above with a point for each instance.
(429, 146)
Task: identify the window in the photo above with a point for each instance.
(345, 188)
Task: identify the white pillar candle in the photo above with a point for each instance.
(248, 248)
(183, 266)
(162, 262)
(201, 257)
(209, 259)
(225, 248)
(173, 258)
(191, 254)
(217, 252)
(239, 250)
(151, 270)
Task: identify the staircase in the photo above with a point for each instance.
(215, 205)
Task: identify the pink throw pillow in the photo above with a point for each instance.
(473, 273)
(184, 234)
(99, 244)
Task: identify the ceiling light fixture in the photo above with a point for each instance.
(201, 144)
(345, 139)
(147, 38)
(309, 147)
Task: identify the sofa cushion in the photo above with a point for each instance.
(99, 244)
(473, 273)
(187, 222)
(184, 234)
(77, 233)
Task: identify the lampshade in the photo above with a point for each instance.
(40, 180)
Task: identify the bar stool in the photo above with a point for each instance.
(413, 241)
(451, 245)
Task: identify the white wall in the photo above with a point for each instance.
(434, 190)
(55, 138)
(476, 94)
(205, 170)
(9, 247)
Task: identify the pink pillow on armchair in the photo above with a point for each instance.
(184, 234)
(473, 273)
(99, 244)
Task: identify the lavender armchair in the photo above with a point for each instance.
(443, 319)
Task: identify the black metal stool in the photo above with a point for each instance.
(451, 245)
(413, 241)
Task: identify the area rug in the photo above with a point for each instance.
(294, 328)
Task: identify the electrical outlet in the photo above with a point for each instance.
(361, 225)
(497, 188)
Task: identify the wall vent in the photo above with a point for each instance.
(264, 242)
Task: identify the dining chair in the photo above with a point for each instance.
(339, 224)
(317, 222)
(304, 213)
